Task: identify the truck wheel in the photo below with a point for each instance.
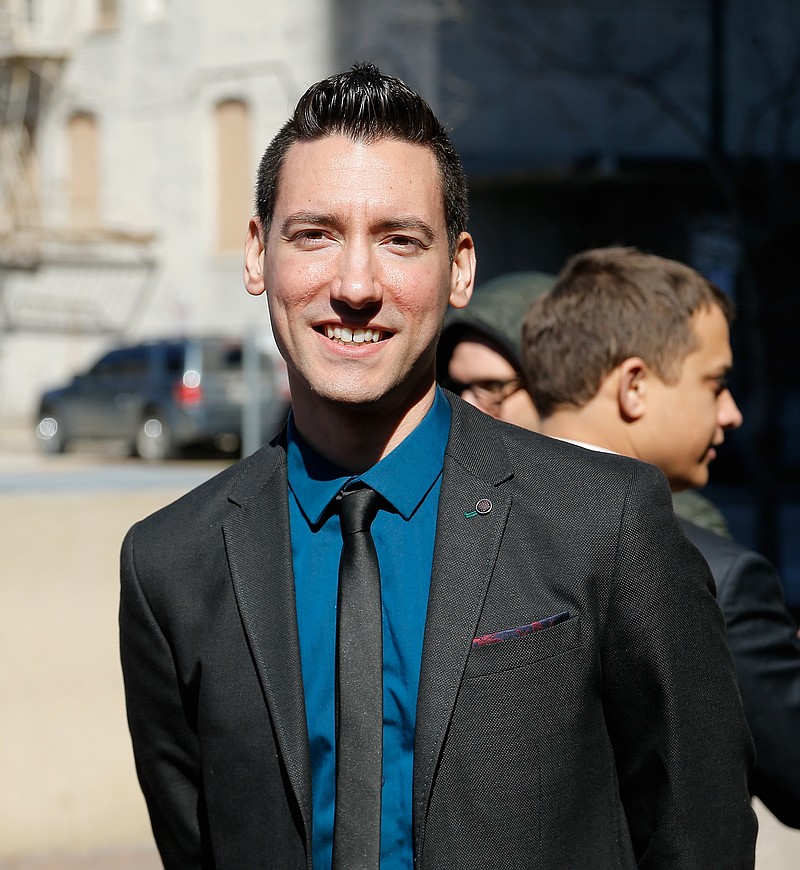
(51, 435)
(154, 439)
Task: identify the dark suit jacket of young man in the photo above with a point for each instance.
(762, 637)
(615, 738)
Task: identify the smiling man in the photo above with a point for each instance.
(405, 634)
(631, 352)
(372, 257)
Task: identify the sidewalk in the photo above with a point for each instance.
(128, 859)
(69, 798)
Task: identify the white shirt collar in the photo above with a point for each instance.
(587, 446)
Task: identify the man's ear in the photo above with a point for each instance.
(462, 272)
(632, 388)
(254, 259)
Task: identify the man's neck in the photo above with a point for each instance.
(576, 426)
(356, 437)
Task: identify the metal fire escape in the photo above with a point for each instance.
(29, 71)
(52, 278)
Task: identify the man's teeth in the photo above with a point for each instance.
(345, 335)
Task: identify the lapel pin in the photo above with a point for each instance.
(482, 507)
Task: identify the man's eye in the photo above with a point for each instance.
(309, 236)
(720, 385)
(405, 242)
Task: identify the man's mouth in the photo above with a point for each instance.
(346, 335)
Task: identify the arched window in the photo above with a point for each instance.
(234, 181)
(83, 169)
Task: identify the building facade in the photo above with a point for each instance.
(135, 128)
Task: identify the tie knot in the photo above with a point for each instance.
(357, 509)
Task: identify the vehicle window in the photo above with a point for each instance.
(105, 366)
(220, 357)
(175, 355)
(128, 361)
(111, 365)
(137, 362)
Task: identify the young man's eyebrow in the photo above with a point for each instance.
(722, 372)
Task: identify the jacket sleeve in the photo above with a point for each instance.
(762, 637)
(682, 748)
(165, 746)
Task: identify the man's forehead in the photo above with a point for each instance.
(395, 181)
(344, 140)
(334, 153)
(711, 333)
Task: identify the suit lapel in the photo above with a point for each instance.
(259, 551)
(465, 553)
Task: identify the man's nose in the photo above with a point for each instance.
(356, 283)
(729, 416)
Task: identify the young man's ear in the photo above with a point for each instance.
(462, 272)
(632, 388)
(254, 259)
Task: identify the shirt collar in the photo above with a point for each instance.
(588, 446)
(403, 477)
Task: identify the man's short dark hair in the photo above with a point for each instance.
(367, 106)
(610, 304)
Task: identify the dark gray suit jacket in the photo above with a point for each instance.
(614, 739)
(762, 637)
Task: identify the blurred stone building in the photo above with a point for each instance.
(130, 131)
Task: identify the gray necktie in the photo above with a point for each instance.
(359, 689)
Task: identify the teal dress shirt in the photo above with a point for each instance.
(409, 479)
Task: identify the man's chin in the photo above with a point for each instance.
(351, 396)
(697, 478)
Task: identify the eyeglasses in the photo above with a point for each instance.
(488, 394)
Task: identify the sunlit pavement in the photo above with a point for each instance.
(124, 859)
(69, 799)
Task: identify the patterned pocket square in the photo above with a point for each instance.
(509, 633)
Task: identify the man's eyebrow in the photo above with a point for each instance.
(315, 218)
(325, 219)
(723, 370)
(407, 223)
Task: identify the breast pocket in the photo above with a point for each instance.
(516, 648)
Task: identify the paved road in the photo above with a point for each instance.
(91, 468)
(98, 479)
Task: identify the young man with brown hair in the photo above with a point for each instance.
(630, 353)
